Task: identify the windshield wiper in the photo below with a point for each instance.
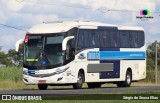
(41, 58)
(34, 62)
(45, 58)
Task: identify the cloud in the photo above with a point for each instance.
(14, 5)
(123, 4)
(94, 4)
(48, 18)
(27, 20)
(26, 14)
(154, 30)
(9, 38)
(2, 16)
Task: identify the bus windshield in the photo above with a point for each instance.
(43, 51)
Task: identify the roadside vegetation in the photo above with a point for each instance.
(11, 78)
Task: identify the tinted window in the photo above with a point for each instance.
(80, 40)
(83, 39)
(104, 38)
(133, 39)
(54, 40)
(141, 39)
(72, 32)
(114, 39)
(110, 39)
(94, 38)
(124, 39)
(86, 38)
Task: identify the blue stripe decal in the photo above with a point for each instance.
(116, 55)
(93, 55)
(31, 71)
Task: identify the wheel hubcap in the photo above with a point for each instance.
(128, 79)
(79, 80)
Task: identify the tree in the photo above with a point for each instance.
(4, 59)
(151, 55)
(16, 58)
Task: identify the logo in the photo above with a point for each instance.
(145, 12)
(21, 97)
(144, 15)
(82, 56)
(6, 97)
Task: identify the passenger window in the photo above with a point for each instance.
(133, 39)
(94, 39)
(124, 39)
(114, 39)
(140, 39)
(104, 39)
(83, 39)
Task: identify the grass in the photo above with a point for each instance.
(11, 73)
(151, 76)
(11, 79)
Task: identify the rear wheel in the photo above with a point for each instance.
(94, 85)
(127, 82)
(80, 80)
(42, 86)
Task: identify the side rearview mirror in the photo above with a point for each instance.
(64, 43)
(20, 41)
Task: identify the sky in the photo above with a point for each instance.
(24, 14)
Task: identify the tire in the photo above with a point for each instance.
(80, 80)
(127, 82)
(94, 85)
(42, 86)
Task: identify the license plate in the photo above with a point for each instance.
(42, 81)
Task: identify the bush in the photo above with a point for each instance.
(11, 73)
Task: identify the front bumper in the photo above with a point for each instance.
(60, 75)
(55, 79)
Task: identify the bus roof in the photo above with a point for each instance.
(63, 26)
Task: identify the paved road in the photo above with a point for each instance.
(106, 90)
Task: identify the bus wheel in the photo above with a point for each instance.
(94, 85)
(42, 86)
(80, 80)
(127, 81)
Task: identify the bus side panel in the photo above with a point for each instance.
(81, 62)
(138, 68)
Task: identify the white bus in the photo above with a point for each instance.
(73, 53)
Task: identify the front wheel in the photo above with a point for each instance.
(42, 86)
(80, 80)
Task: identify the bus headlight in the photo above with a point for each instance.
(60, 70)
(25, 72)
